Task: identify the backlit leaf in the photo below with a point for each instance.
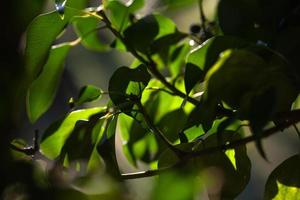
(284, 181)
(42, 91)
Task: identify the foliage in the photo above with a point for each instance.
(180, 106)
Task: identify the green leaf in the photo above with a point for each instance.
(86, 28)
(203, 114)
(119, 12)
(106, 148)
(252, 75)
(41, 34)
(163, 109)
(192, 76)
(142, 34)
(284, 181)
(176, 186)
(170, 129)
(78, 4)
(234, 163)
(118, 15)
(56, 135)
(201, 59)
(42, 91)
(138, 142)
(88, 93)
(177, 59)
(176, 3)
(85, 136)
(125, 82)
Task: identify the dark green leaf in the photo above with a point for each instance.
(193, 75)
(203, 114)
(145, 31)
(141, 34)
(81, 143)
(107, 149)
(205, 56)
(42, 91)
(125, 82)
(170, 129)
(284, 181)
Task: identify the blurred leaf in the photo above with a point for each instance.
(56, 135)
(42, 91)
(125, 82)
(87, 28)
(41, 34)
(176, 186)
(284, 181)
(176, 3)
(88, 93)
(118, 15)
(78, 4)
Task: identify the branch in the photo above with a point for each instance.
(153, 68)
(145, 174)
(292, 118)
(202, 16)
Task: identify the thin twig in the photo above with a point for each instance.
(31, 150)
(297, 130)
(224, 147)
(202, 16)
(160, 89)
(157, 132)
(153, 68)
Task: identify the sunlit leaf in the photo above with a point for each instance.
(41, 34)
(284, 181)
(57, 134)
(233, 165)
(42, 91)
(87, 28)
